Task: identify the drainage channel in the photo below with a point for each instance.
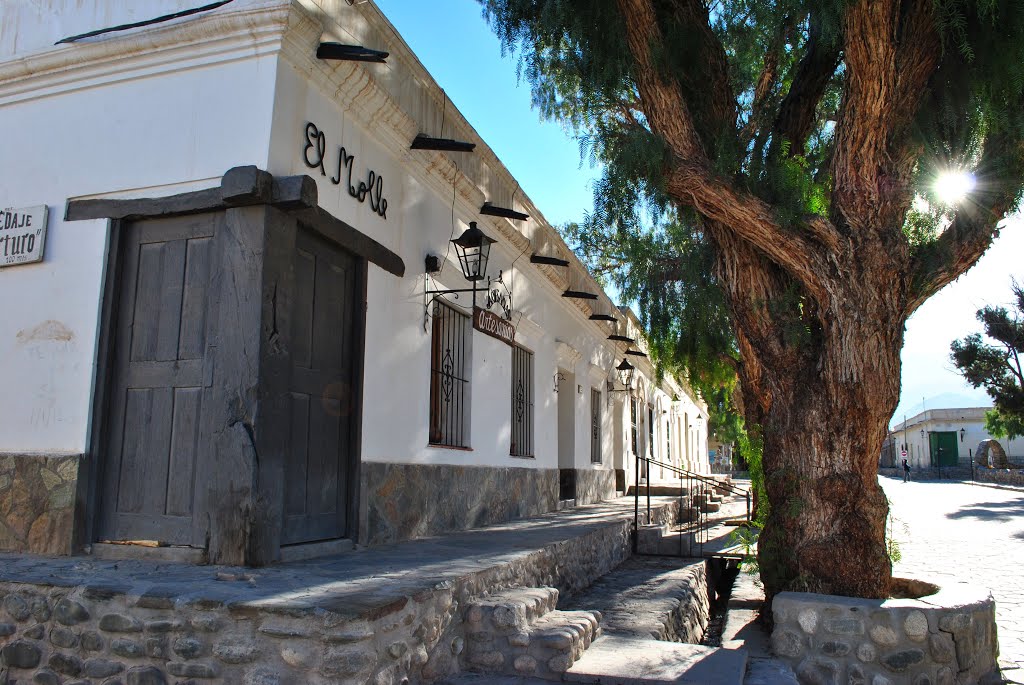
(721, 574)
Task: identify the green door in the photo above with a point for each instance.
(943, 447)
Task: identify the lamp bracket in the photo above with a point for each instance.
(559, 376)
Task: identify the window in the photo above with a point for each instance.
(633, 426)
(449, 377)
(668, 441)
(595, 426)
(650, 432)
(522, 403)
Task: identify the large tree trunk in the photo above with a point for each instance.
(822, 383)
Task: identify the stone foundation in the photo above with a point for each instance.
(594, 485)
(945, 638)
(406, 501)
(80, 620)
(37, 503)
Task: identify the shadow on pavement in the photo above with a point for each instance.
(991, 511)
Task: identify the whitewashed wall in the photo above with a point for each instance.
(168, 109)
(96, 121)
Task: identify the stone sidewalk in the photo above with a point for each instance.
(970, 533)
(374, 615)
(355, 580)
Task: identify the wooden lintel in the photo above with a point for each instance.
(242, 187)
(603, 317)
(636, 353)
(622, 338)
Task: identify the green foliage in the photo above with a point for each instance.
(1001, 425)
(997, 366)
(892, 545)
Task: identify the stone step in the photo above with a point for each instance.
(710, 507)
(629, 661)
(517, 633)
(510, 611)
(648, 538)
(659, 490)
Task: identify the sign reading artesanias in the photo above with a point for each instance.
(22, 235)
(494, 326)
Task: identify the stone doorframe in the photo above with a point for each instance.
(244, 507)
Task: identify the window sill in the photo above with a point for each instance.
(531, 457)
(450, 447)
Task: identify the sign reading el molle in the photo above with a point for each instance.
(372, 188)
(493, 325)
(22, 235)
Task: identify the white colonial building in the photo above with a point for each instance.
(230, 337)
(946, 437)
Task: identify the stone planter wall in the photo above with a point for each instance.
(948, 638)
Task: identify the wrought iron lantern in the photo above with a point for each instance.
(625, 372)
(473, 248)
(962, 431)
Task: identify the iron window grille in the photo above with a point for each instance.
(595, 426)
(449, 377)
(522, 403)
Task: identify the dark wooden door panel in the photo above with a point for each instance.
(160, 341)
(317, 489)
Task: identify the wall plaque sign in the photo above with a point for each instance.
(371, 189)
(22, 235)
(493, 325)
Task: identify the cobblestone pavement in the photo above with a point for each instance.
(972, 534)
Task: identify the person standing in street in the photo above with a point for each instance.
(906, 471)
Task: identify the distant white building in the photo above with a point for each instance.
(946, 437)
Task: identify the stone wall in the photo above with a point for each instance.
(594, 485)
(1001, 477)
(943, 639)
(92, 635)
(37, 502)
(405, 501)
(141, 623)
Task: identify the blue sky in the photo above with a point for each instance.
(460, 51)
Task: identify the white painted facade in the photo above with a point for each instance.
(168, 108)
(914, 431)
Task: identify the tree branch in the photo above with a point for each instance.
(691, 182)
(796, 117)
(890, 52)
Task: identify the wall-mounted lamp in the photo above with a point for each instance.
(473, 249)
(624, 373)
(922, 433)
(962, 431)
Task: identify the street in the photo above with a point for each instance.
(968, 533)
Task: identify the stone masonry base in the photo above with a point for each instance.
(350, 619)
(945, 638)
(406, 501)
(37, 502)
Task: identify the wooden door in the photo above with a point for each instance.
(161, 328)
(319, 468)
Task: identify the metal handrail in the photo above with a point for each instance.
(698, 476)
(690, 477)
